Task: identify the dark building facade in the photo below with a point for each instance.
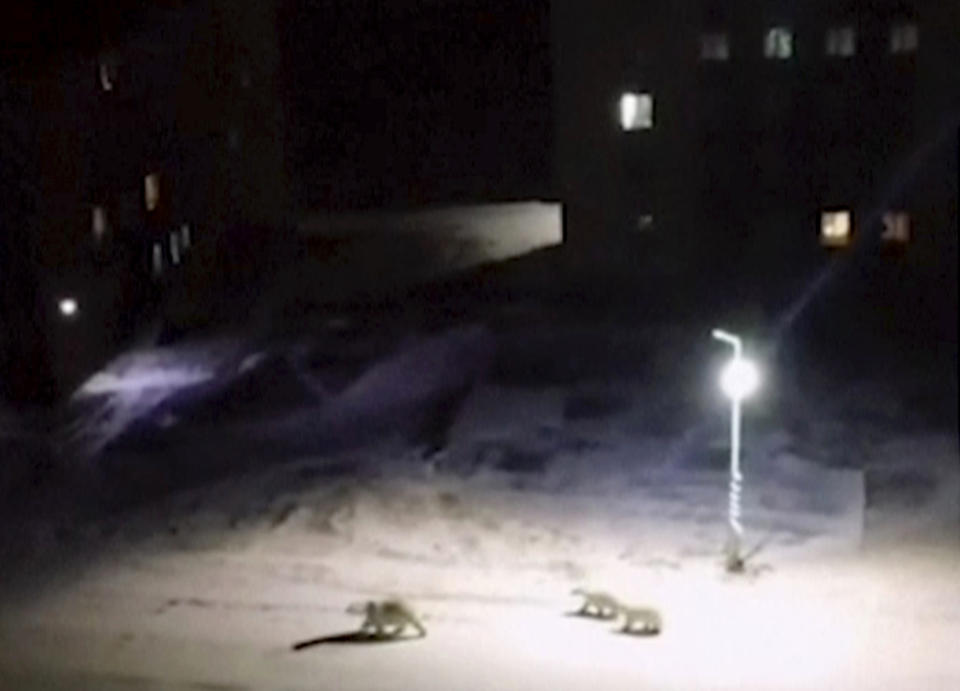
(400, 104)
(758, 137)
(151, 143)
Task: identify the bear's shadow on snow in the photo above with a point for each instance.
(580, 614)
(350, 637)
(637, 633)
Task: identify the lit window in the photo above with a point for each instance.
(157, 260)
(904, 38)
(98, 223)
(174, 248)
(778, 43)
(151, 191)
(896, 227)
(835, 228)
(185, 236)
(841, 41)
(714, 47)
(644, 222)
(636, 111)
(107, 73)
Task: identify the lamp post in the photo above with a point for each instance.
(738, 380)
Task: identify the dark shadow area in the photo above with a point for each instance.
(593, 406)
(511, 459)
(443, 134)
(640, 633)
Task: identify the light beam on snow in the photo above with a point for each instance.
(135, 384)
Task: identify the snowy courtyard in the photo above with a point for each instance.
(228, 497)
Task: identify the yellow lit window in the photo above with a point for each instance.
(896, 227)
(151, 191)
(98, 223)
(835, 227)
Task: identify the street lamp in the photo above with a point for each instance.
(738, 381)
(68, 307)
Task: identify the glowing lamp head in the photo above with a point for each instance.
(68, 307)
(739, 379)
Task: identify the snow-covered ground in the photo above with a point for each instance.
(238, 494)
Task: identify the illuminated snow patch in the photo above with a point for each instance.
(251, 361)
(107, 382)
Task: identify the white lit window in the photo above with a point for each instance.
(636, 111)
(841, 41)
(896, 227)
(645, 222)
(107, 73)
(174, 248)
(157, 260)
(714, 47)
(151, 191)
(778, 43)
(904, 38)
(185, 236)
(835, 228)
(98, 223)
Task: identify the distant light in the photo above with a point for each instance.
(636, 111)
(835, 228)
(106, 76)
(174, 248)
(715, 47)
(904, 38)
(778, 43)
(68, 307)
(151, 191)
(157, 260)
(740, 379)
(98, 223)
(185, 236)
(841, 41)
(896, 227)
